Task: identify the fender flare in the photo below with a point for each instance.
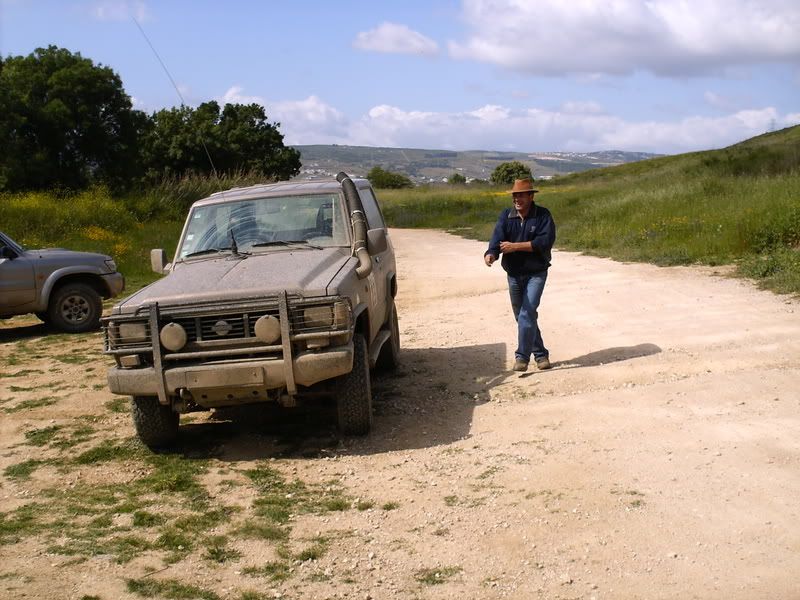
(52, 281)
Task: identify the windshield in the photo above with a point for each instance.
(261, 223)
(7, 241)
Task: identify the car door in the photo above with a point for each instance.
(17, 280)
(378, 276)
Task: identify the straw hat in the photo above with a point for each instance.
(522, 185)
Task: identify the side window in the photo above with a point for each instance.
(371, 209)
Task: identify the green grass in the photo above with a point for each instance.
(436, 576)
(31, 404)
(24, 469)
(275, 571)
(168, 588)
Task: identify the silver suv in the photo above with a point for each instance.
(277, 292)
(63, 288)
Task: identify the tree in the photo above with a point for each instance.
(456, 179)
(383, 179)
(238, 138)
(64, 122)
(507, 172)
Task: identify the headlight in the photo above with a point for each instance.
(318, 316)
(131, 333)
(111, 265)
(173, 336)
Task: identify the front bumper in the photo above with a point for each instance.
(233, 382)
(115, 282)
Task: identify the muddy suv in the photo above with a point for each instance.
(64, 288)
(277, 292)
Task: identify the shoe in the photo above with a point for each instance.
(520, 365)
(543, 364)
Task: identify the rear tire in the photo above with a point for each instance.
(75, 308)
(389, 357)
(156, 424)
(354, 393)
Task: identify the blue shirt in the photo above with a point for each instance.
(538, 228)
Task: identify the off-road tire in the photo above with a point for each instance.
(156, 424)
(354, 393)
(389, 357)
(75, 308)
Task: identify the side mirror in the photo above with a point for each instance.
(6, 252)
(158, 260)
(376, 241)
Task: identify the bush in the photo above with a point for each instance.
(507, 172)
(456, 179)
(383, 179)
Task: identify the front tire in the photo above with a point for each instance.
(156, 424)
(75, 308)
(354, 393)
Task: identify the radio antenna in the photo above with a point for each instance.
(177, 90)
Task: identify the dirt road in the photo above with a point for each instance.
(659, 458)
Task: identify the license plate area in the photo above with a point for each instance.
(232, 377)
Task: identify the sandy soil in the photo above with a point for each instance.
(659, 458)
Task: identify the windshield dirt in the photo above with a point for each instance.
(264, 223)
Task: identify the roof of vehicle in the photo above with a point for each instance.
(282, 188)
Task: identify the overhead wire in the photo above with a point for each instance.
(177, 90)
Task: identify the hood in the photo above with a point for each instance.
(69, 256)
(307, 272)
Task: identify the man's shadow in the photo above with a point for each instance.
(609, 355)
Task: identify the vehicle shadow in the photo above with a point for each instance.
(428, 401)
(23, 332)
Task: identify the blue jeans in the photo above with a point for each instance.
(526, 292)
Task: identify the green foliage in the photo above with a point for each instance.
(383, 179)
(456, 179)
(65, 122)
(180, 141)
(507, 172)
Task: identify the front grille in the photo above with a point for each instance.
(207, 329)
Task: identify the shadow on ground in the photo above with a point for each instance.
(23, 332)
(609, 355)
(427, 402)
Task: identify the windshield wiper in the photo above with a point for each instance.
(205, 251)
(285, 243)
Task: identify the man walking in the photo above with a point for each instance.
(525, 235)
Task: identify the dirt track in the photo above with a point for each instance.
(660, 458)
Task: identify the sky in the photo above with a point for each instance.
(663, 76)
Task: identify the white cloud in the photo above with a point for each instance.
(392, 38)
(119, 10)
(300, 120)
(666, 37)
(575, 126)
(498, 128)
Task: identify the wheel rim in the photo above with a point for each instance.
(75, 309)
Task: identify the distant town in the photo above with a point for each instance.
(434, 166)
